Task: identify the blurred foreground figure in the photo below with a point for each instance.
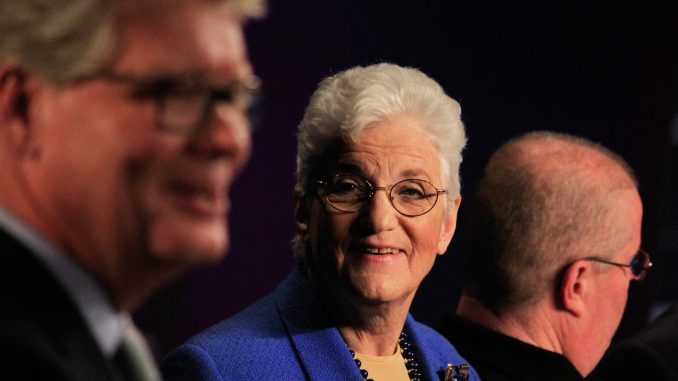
(550, 245)
(122, 126)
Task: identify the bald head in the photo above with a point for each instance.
(544, 200)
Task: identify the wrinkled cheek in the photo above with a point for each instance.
(423, 257)
(327, 253)
(323, 247)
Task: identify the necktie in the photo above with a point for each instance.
(135, 358)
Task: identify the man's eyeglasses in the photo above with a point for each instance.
(349, 193)
(183, 103)
(640, 264)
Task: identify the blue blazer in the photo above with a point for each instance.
(288, 336)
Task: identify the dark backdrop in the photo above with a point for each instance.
(605, 70)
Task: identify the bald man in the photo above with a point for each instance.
(550, 245)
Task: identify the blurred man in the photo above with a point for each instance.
(550, 244)
(122, 126)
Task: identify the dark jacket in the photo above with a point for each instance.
(41, 330)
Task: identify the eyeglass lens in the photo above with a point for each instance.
(183, 102)
(184, 111)
(181, 112)
(640, 263)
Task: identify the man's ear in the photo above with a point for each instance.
(575, 287)
(14, 108)
(449, 226)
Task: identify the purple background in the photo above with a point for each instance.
(605, 70)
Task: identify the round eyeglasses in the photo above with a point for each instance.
(640, 264)
(349, 193)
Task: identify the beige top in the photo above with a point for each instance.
(384, 368)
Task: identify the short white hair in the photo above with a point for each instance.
(346, 103)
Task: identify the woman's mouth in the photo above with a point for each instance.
(377, 250)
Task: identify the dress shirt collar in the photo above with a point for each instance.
(105, 324)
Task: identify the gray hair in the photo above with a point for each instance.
(64, 40)
(544, 200)
(350, 101)
(346, 103)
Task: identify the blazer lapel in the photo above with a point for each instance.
(322, 351)
(37, 305)
(431, 367)
(433, 358)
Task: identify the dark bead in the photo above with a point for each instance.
(403, 335)
(351, 352)
(415, 379)
(364, 373)
(405, 345)
(408, 354)
(412, 364)
(358, 362)
(369, 379)
(415, 373)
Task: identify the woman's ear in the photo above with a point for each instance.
(301, 213)
(449, 226)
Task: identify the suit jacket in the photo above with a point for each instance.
(288, 336)
(42, 333)
(650, 355)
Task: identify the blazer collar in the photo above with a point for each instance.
(319, 345)
(321, 349)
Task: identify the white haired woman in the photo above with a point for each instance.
(377, 196)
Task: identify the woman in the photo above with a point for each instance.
(377, 196)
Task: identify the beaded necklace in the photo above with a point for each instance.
(452, 373)
(407, 351)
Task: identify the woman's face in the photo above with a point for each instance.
(377, 255)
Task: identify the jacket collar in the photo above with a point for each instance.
(321, 349)
(319, 345)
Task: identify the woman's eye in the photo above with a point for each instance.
(345, 186)
(411, 192)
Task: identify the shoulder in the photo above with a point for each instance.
(636, 360)
(436, 350)
(37, 312)
(430, 340)
(651, 354)
(40, 351)
(249, 345)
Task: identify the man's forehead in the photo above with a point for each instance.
(241, 10)
(183, 37)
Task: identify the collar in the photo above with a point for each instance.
(317, 341)
(105, 324)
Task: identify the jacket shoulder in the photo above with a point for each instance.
(248, 345)
(438, 352)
